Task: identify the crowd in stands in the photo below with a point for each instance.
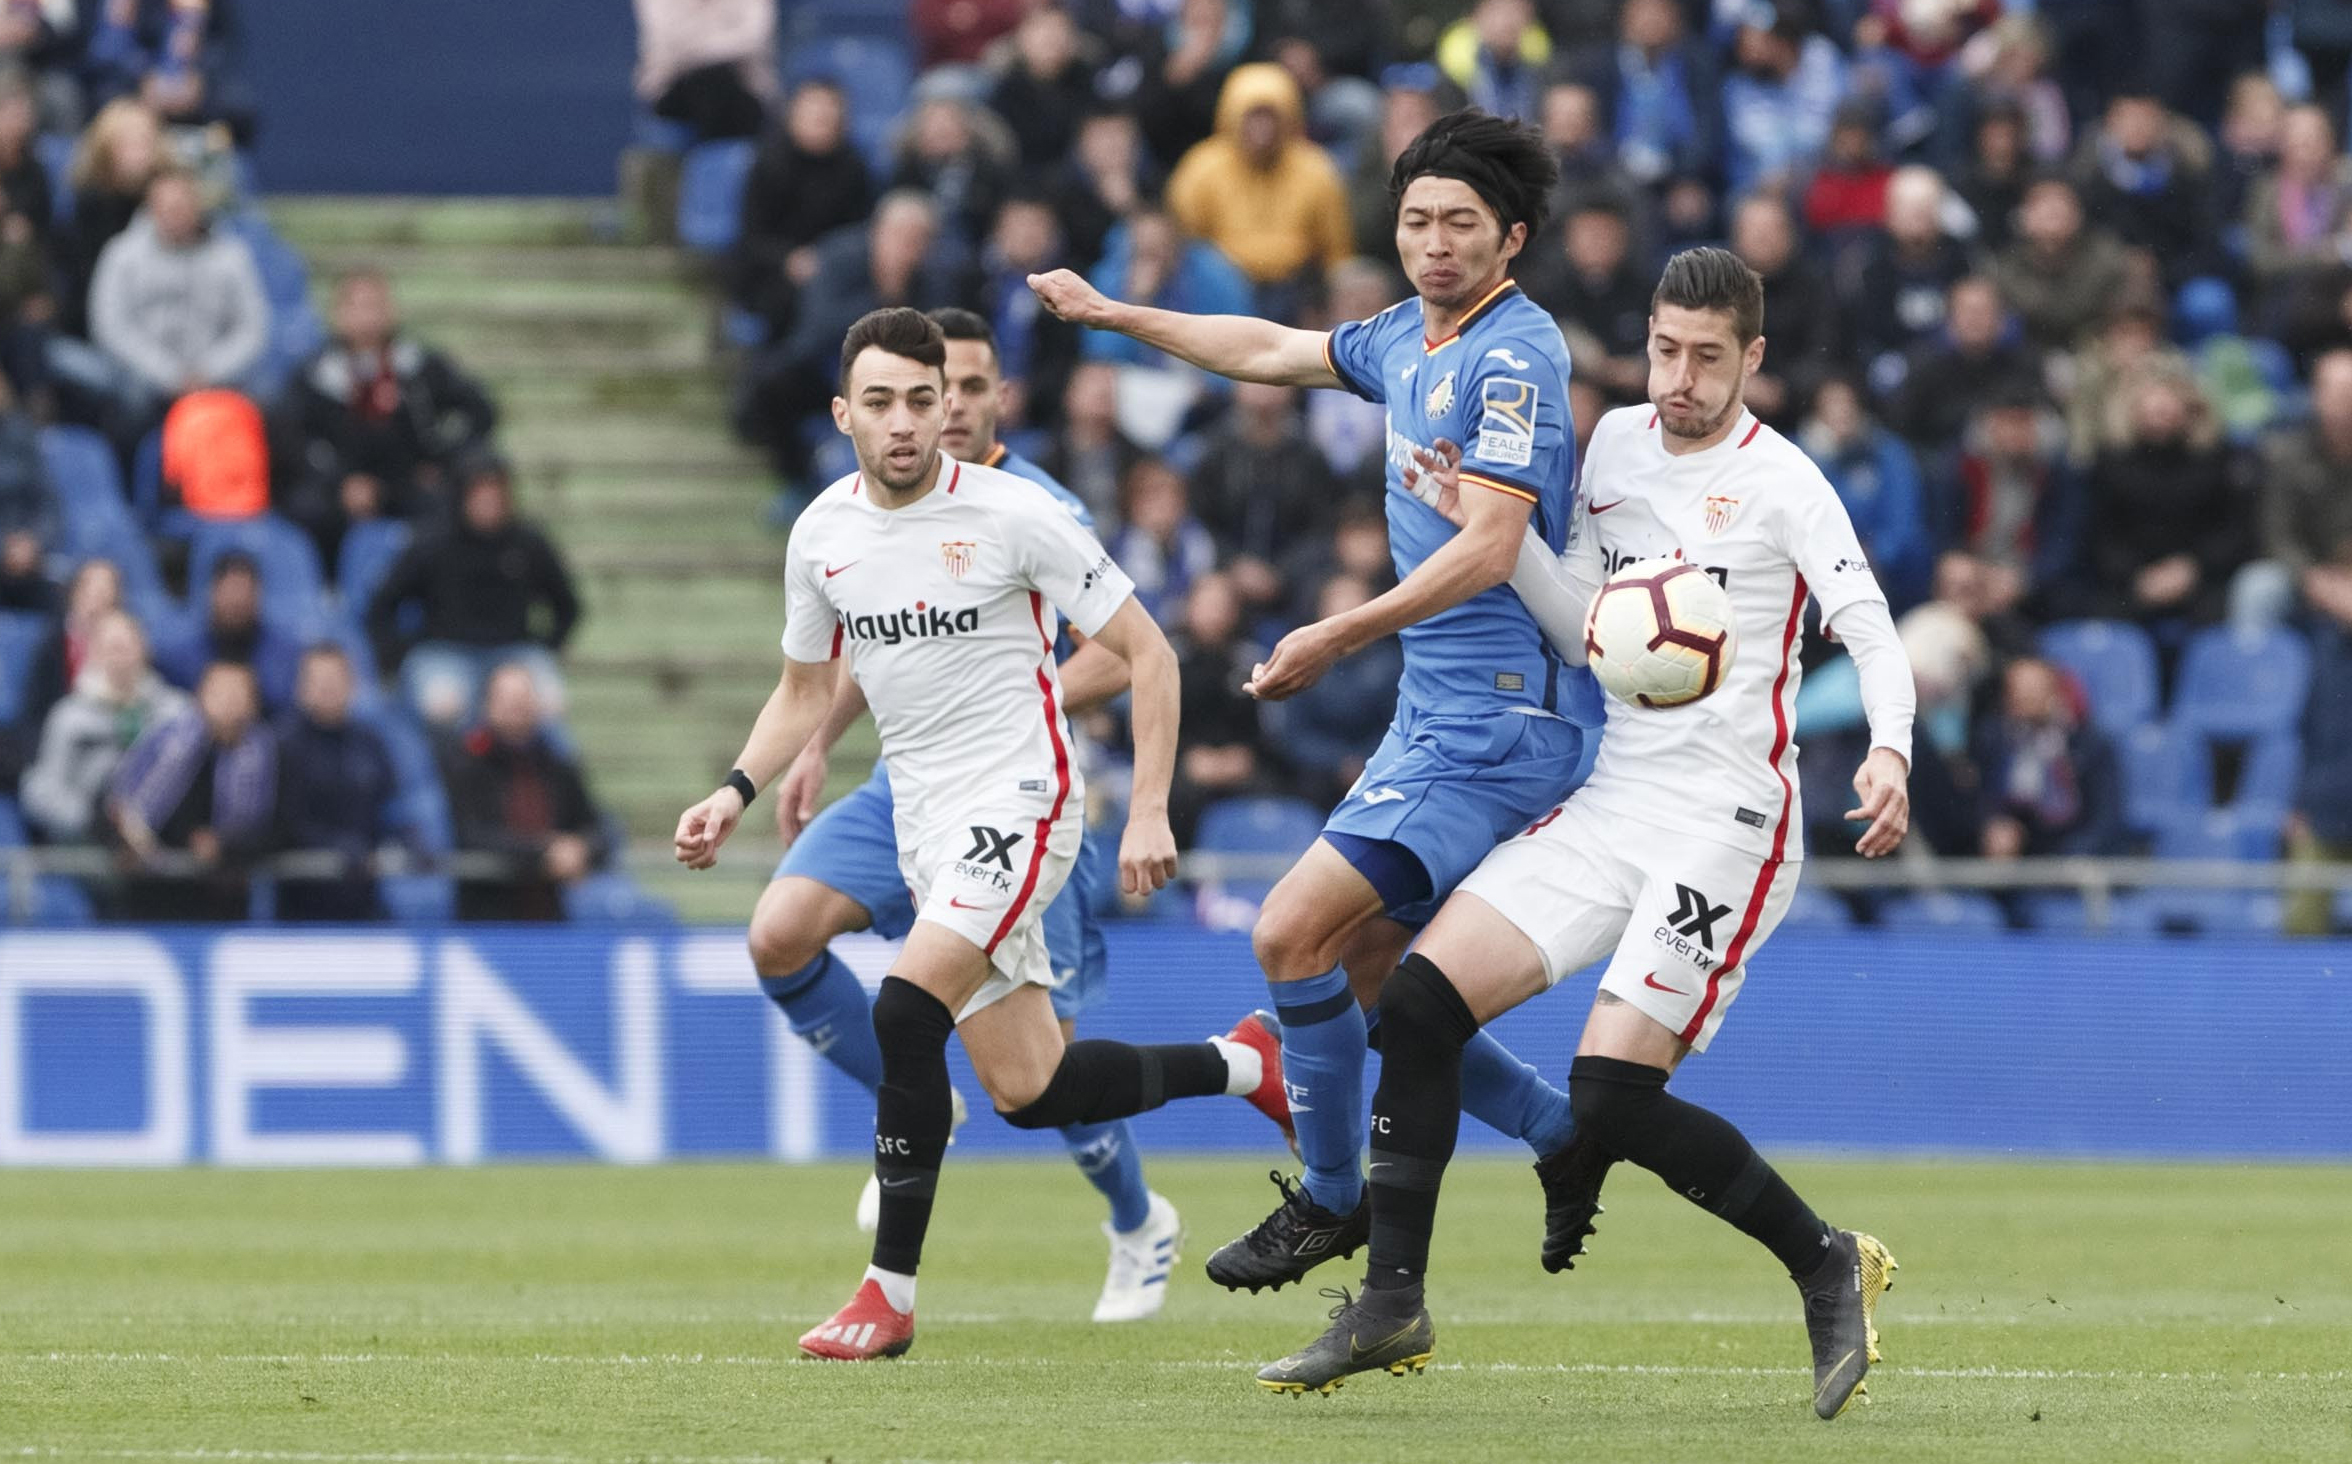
(2059, 294)
(317, 623)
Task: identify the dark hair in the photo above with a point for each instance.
(1505, 163)
(326, 649)
(958, 324)
(897, 330)
(1709, 278)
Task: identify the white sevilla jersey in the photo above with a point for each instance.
(1754, 512)
(946, 609)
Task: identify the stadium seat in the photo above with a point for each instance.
(97, 521)
(710, 195)
(1942, 910)
(2242, 683)
(612, 898)
(1817, 909)
(20, 638)
(660, 134)
(2116, 664)
(2221, 833)
(2163, 773)
(290, 584)
(370, 549)
(2055, 912)
(1268, 825)
(295, 329)
(12, 824)
(56, 150)
(2268, 778)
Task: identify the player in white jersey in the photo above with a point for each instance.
(943, 584)
(1674, 861)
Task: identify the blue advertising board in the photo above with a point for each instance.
(268, 1047)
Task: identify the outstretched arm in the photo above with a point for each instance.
(1239, 346)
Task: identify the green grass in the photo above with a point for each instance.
(557, 1314)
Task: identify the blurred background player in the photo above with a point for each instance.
(1675, 861)
(1491, 727)
(841, 874)
(933, 577)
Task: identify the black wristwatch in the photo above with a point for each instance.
(744, 787)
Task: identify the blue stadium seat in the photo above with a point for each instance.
(290, 583)
(612, 898)
(1942, 910)
(2056, 912)
(1269, 825)
(710, 194)
(295, 329)
(20, 637)
(2199, 912)
(2116, 664)
(1817, 909)
(2164, 771)
(659, 134)
(2222, 833)
(420, 815)
(97, 521)
(370, 549)
(2237, 683)
(12, 824)
(2267, 781)
(56, 150)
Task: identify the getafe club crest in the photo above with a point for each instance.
(1719, 510)
(1441, 397)
(956, 554)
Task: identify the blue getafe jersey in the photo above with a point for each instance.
(1004, 459)
(1499, 387)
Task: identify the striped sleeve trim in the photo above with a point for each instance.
(1331, 364)
(1502, 485)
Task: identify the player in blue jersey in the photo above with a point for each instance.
(841, 874)
(1491, 729)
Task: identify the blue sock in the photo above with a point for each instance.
(1323, 1067)
(1105, 1153)
(825, 1006)
(1501, 1091)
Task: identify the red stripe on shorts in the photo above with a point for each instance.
(1053, 730)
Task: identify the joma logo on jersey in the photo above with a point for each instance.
(1613, 560)
(921, 622)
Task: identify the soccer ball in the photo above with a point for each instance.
(1660, 633)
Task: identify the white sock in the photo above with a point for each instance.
(1244, 1069)
(898, 1288)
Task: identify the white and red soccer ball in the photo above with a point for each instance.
(1660, 633)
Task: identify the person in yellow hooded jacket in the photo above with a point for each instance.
(1270, 200)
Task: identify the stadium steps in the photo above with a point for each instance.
(614, 413)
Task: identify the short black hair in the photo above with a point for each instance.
(958, 324)
(1505, 163)
(896, 330)
(1710, 278)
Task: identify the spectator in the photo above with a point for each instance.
(2009, 69)
(708, 64)
(1908, 273)
(1349, 35)
(28, 505)
(1267, 198)
(1162, 547)
(2172, 521)
(38, 39)
(949, 31)
(1342, 111)
(1778, 103)
(233, 632)
(487, 590)
(1496, 55)
(2306, 504)
(24, 180)
(335, 788)
(94, 589)
(1849, 189)
(1580, 142)
(1600, 294)
(176, 304)
(116, 696)
(2253, 132)
(1033, 349)
(1946, 378)
(806, 181)
(120, 154)
(25, 586)
(2296, 215)
(1223, 751)
(1658, 91)
(1356, 548)
(1326, 732)
(1106, 178)
(2131, 337)
(1350, 432)
(2147, 175)
(1148, 261)
(1047, 89)
(2049, 776)
(1799, 311)
(1878, 481)
(2059, 275)
(1090, 456)
(1184, 71)
(174, 55)
(382, 418)
(513, 794)
(1260, 487)
(2319, 831)
(1992, 181)
(1408, 104)
(2017, 508)
(203, 783)
(962, 157)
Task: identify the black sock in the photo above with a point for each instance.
(1099, 1081)
(1416, 1116)
(1699, 1154)
(912, 1116)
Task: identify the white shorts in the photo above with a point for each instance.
(1677, 916)
(989, 878)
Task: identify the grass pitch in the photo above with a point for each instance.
(541, 1316)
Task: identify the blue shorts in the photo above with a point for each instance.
(1451, 788)
(852, 847)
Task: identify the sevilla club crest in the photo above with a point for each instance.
(957, 554)
(1719, 510)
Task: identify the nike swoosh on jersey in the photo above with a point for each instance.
(1602, 507)
(1652, 982)
(830, 571)
(960, 905)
